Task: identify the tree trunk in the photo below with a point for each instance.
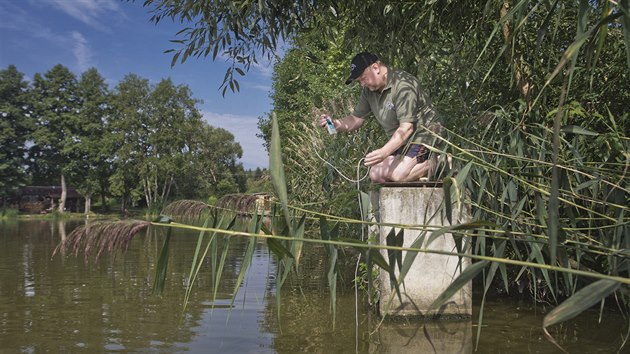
(88, 204)
(166, 189)
(64, 193)
(147, 193)
(123, 201)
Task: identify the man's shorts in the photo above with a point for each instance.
(419, 151)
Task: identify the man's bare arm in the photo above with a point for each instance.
(401, 135)
(346, 124)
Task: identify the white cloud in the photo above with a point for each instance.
(82, 51)
(89, 12)
(244, 129)
(263, 88)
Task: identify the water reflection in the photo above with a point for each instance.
(424, 337)
(61, 304)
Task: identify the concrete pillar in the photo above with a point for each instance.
(430, 274)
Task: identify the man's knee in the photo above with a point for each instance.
(399, 176)
(376, 176)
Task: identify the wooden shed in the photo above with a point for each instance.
(41, 199)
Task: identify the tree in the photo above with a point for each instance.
(56, 133)
(214, 153)
(92, 167)
(164, 149)
(129, 132)
(15, 128)
(173, 122)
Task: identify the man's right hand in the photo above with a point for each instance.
(322, 120)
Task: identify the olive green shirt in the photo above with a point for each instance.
(402, 100)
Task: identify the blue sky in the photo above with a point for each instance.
(117, 38)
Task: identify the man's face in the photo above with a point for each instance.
(371, 79)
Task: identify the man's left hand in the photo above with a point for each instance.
(375, 157)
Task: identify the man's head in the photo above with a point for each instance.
(368, 70)
(360, 62)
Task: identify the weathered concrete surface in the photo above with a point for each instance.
(430, 274)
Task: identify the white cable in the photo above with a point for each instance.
(341, 174)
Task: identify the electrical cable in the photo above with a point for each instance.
(340, 173)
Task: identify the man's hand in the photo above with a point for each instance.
(374, 157)
(322, 120)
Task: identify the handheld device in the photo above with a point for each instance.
(330, 126)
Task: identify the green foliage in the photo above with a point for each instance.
(361, 281)
(55, 104)
(142, 143)
(9, 213)
(242, 31)
(91, 168)
(15, 129)
(542, 134)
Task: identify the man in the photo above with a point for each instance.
(404, 111)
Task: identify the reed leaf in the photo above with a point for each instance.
(378, 259)
(276, 168)
(162, 265)
(411, 256)
(463, 279)
(333, 255)
(576, 129)
(221, 264)
(465, 226)
(197, 261)
(499, 253)
(580, 301)
(278, 249)
(297, 245)
(395, 257)
(448, 205)
(254, 228)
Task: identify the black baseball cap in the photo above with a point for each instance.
(359, 63)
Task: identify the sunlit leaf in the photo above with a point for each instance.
(575, 129)
(581, 301)
(448, 205)
(162, 265)
(462, 280)
(278, 248)
(276, 168)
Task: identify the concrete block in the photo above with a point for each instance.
(420, 209)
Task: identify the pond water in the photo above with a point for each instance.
(62, 305)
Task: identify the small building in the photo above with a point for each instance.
(42, 199)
